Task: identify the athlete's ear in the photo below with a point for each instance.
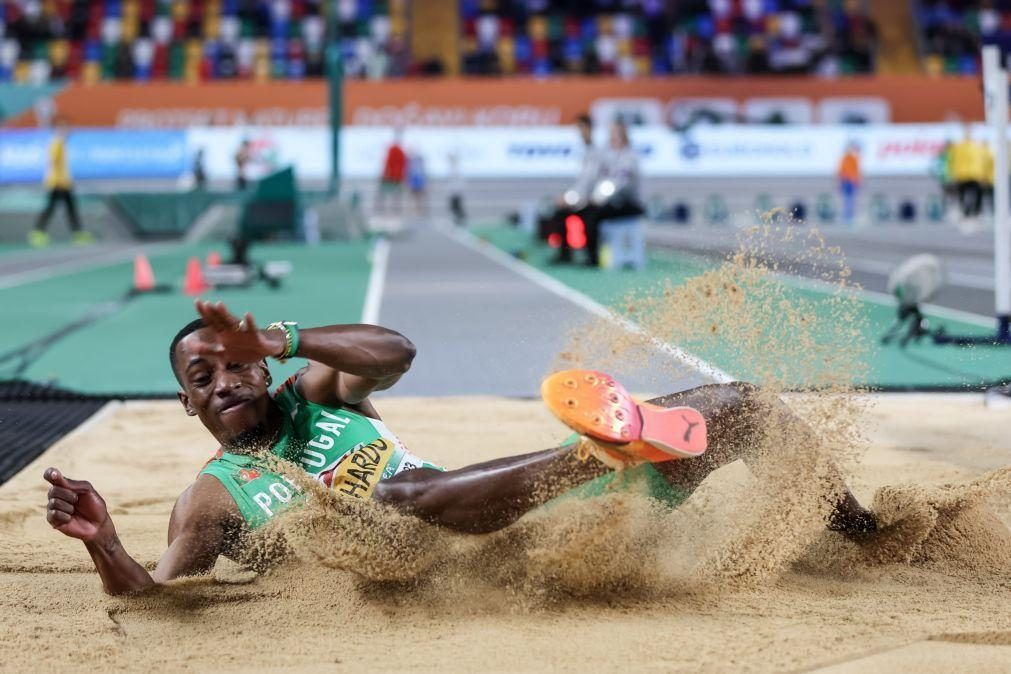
(184, 398)
(266, 373)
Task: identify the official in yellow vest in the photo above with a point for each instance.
(60, 188)
(969, 159)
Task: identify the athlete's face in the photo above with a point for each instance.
(230, 398)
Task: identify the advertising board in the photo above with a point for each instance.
(483, 152)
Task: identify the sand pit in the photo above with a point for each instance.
(934, 597)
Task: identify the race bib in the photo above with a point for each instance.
(361, 469)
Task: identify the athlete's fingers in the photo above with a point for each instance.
(57, 517)
(62, 494)
(204, 311)
(61, 505)
(249, 323)
(224, 314)
(211, 317)
(54, 477)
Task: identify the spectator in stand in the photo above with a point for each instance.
(60, 187)
(849, 182)
(954, 32)
(394, 174)
(574, 200)
(285, 39)
(616, 194)
(652, 37)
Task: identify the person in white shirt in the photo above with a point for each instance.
(616, 193)
(576, 198)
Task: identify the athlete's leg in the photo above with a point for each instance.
(47, 212)
(71, 202)
(488, 496)
(736, 415)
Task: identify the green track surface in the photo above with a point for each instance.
(923, 365)
(127, 352)
(11, 248)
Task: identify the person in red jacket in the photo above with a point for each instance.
(394, 174)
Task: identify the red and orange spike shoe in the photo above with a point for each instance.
(594, 405)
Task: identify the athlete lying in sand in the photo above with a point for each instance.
(322, 421)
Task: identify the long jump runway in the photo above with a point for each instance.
(481, 326)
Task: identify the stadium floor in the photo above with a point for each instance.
(125, 351)
(469, 304)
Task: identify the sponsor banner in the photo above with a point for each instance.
(908, 149)
(494, 152)
(271, 148)
(505, 152)
(517, 101)
(487, 153)
(745, 151)
(24, 154)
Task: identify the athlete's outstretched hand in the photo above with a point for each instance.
(74, 507)
(238, 340)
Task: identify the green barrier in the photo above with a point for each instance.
(272, 210)
(160, 214)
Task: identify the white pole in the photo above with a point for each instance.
(995, 95)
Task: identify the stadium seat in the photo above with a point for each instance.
(633, 37)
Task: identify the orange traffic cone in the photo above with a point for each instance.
(143, 277)
(213, 258)
(194, 283)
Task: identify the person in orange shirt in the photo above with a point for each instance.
(849, 181)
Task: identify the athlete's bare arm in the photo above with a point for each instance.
(203, 524)
(346, 362)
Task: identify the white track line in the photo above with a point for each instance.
(884, 299)
(956, 278)
(74, 266)
(583, 301)
(377, 281)
(873, 296)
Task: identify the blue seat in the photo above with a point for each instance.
(622, 243)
